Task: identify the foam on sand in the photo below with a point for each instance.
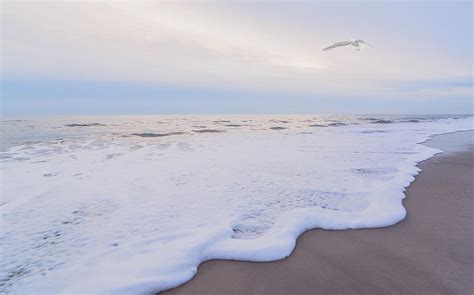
(104, 213)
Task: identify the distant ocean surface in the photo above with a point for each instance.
(133, 204)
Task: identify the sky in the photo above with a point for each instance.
(245, 57)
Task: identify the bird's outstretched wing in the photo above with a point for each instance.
(338, 44)
(363, 42)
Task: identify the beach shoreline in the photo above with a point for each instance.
(429, 252)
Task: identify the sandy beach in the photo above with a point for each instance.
(236, 147)
(430, 252)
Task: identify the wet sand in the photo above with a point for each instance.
(430, 252)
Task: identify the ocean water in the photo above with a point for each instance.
(133, 204)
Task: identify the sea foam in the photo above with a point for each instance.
(91, 205)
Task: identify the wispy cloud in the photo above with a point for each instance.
(251, 46)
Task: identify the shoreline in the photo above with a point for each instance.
(407, 257)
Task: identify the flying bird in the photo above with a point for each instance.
(354, 43)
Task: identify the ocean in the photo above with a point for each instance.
(133, 204)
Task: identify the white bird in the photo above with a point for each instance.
(354, 43)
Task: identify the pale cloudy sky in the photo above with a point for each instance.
(87, 57)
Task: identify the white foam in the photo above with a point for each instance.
(109, 214)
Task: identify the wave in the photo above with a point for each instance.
(129, 218)
(85, 125)
(146, 134)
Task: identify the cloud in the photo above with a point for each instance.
(250, 46)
